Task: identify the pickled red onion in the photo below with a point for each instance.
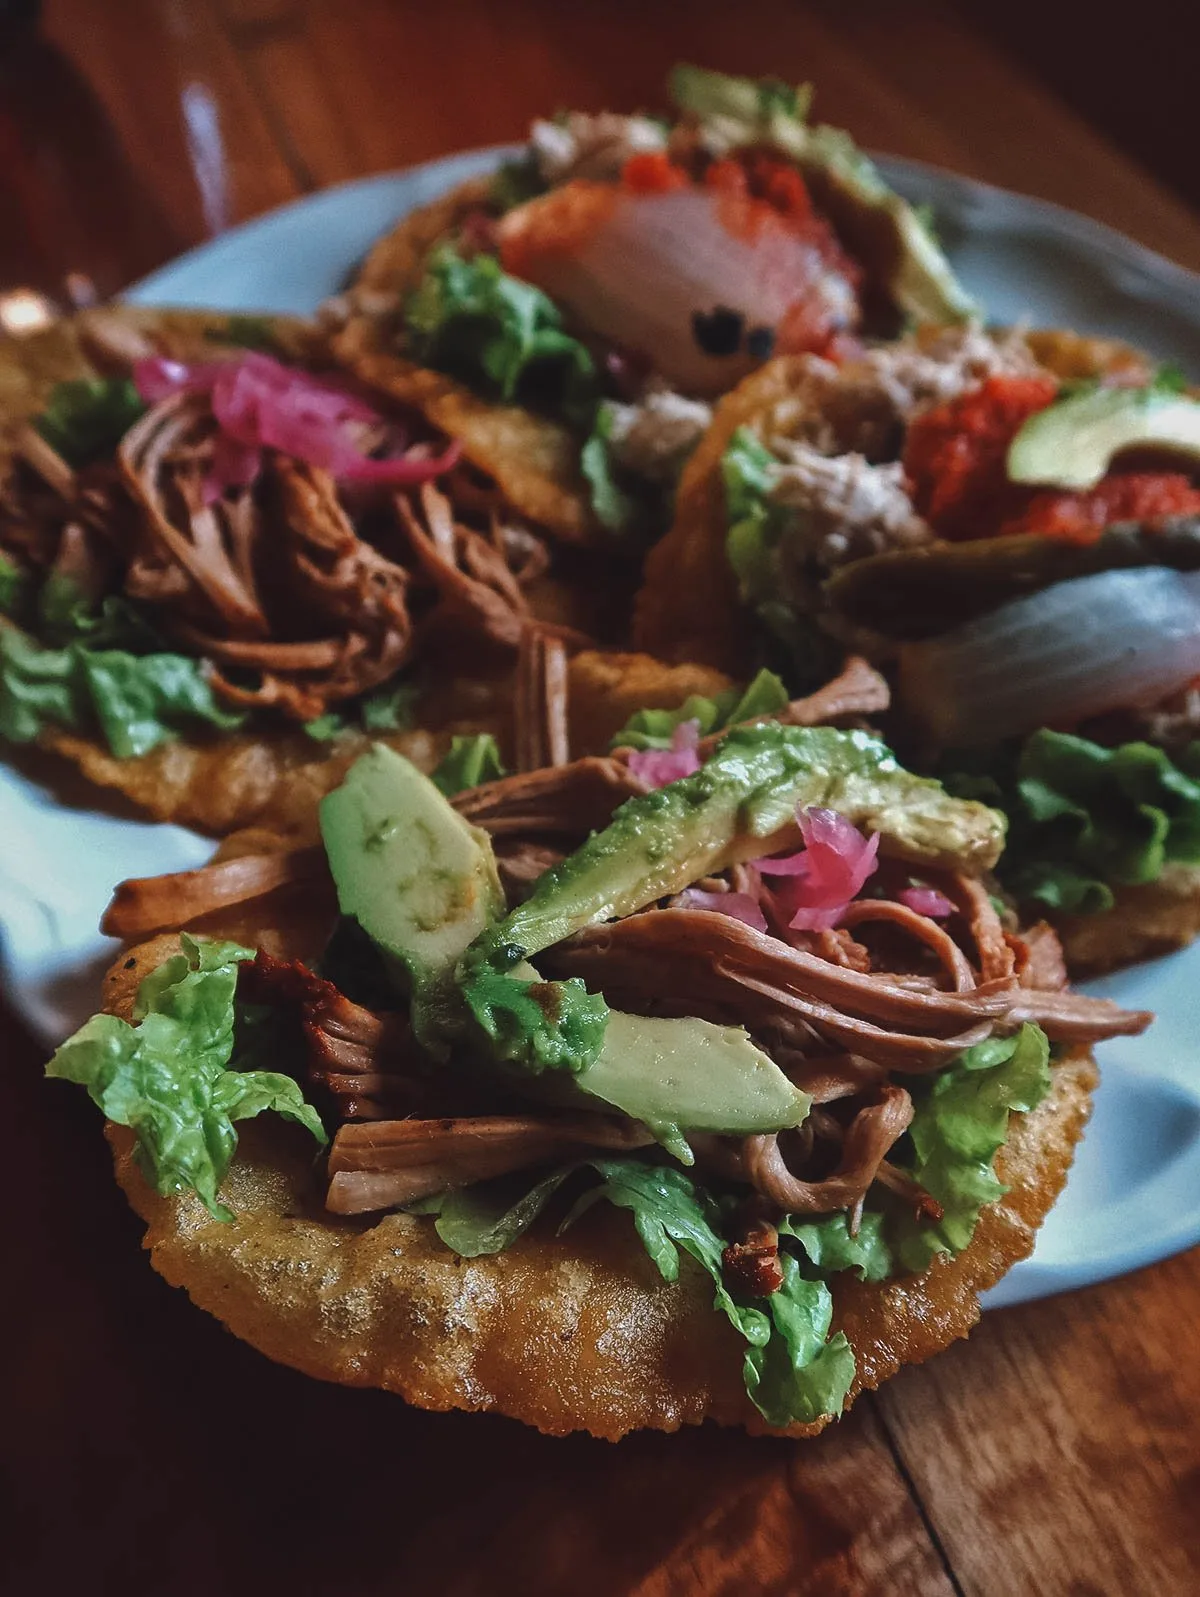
(660, 767)
(740, 906)
(926, 901)
(826, 874)
(259, 403)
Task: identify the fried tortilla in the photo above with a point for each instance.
(688, 606)
(564, 1334)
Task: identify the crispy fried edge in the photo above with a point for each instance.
(579, 1334)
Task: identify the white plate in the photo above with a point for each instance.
(1134, 1194)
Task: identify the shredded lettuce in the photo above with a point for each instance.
(386, 709)
(758, 528)
(514, 182)
(616, 510)
(490, 1216)
(470, 761)
(14, 586)
(87, 418)
(1083, 819)
(537, 1026)
(652, 729)
(829, 1245)
(959, 1124)
(166, 1076)
(135, 701)
(469, 318)
(794, 1371)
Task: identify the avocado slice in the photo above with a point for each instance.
(739, 806)
(418, 878)
(879, 227)
(1071, 443)
(690, 1075)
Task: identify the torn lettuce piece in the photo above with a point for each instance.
(757, 529)
(470, 762)
(165, 1076)
(616, 510)
(538, 1025)
(143, 700)
(1084, 819)
(829, 1246)
(959, 1125)
(490, 1216)
(15, 586)
(86, 418)
(794, 1371)
(502, 336)
(652, 729)
(389, 708)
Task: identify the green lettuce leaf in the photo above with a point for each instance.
(135, 701)
(514, 182)
(490, 1216)
(652, 729)
(794, 1372)
(616, 510)
(758, 528)
(87, 418)
(165, 1076)
(14, 587)
(502, 336)
(390, 708)
(470, 761)
(537, 1026)
(959, 1124)
(65, 614)
(1084, 819)
(246, 332)
(829, 1246)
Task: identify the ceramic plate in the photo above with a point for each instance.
(1134, 1194)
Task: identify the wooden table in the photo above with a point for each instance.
(146, 1450)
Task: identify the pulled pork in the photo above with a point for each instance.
(300, 592)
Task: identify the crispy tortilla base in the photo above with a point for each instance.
(396, 263)
(606, 689)
(688, 606)
(575, 1333)
(534, 460)
(1143, 923)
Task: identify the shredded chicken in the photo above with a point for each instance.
(592, 145)
(143, 906)
(655, 436)
(843, 508)
(541, 703)
(925, 930)
(874, 1129)
(271, 583)
(570, 800)
(710, 965)
(383, 1164)
(366, 1063)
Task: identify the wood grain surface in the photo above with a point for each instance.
(145, 1450)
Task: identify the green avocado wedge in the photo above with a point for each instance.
(742, 805)
(1072, 443)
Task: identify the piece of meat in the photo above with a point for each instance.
(874, 1129)
(385, 1164)
(653, 437)
(541, 727)
(842, 508)
(568, 800)
(142, 906)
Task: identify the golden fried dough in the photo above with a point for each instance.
(1146, 921)
(395, 264)
(571, 1333)
(606, 689)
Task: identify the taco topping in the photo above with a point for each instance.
(790, 1100)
